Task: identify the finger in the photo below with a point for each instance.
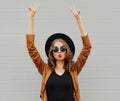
(73, 6)
(78, 11)
(29, 9)
(34, 6)
(37, 6)
(72, 9)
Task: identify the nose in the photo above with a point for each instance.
(59, 51)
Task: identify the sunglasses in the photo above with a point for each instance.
(56, 49)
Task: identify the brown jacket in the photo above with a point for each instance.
(45, 70)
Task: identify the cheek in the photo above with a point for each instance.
(54, 55)
(64, 54)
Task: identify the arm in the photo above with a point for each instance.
(85, 40)
(30, 41)
(77, 15)
(31, 16)
(83, 56)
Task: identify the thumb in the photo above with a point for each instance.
(78, 11)
(29, 9)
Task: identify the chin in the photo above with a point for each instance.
(60, 59)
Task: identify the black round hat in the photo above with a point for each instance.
(66, 38)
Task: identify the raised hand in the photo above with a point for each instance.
(32, 13)
(77, 15)
(33, 10)
(75, 12)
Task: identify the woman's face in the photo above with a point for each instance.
(59, 51)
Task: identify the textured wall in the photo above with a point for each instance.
(100, 78)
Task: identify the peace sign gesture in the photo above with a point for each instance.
(33, 10)
(75, 12)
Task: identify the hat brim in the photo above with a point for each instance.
(57, 36)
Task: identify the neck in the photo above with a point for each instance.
(59, 64)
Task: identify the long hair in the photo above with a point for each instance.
(68, 62)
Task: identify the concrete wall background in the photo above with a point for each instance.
(100, 78)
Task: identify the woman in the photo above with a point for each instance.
(59, 75)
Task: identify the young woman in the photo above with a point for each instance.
(59, 75)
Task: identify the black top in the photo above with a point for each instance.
(59, 88)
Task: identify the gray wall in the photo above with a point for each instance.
(100, 78)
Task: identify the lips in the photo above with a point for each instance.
(59, 55)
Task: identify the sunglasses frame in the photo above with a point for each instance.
(57, 49)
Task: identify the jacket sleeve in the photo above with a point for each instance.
(35, 56)
(81, 60)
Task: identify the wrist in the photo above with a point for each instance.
(78, 18)
(31, 17)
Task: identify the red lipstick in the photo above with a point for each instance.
(59, 55)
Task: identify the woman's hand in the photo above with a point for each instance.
(32, 13)
(75, 12)
(33, 10)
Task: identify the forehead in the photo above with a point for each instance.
(58, 43)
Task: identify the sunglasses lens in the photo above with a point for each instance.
(63, 48)
(55, 49)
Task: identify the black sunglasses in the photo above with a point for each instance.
(62, 49)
